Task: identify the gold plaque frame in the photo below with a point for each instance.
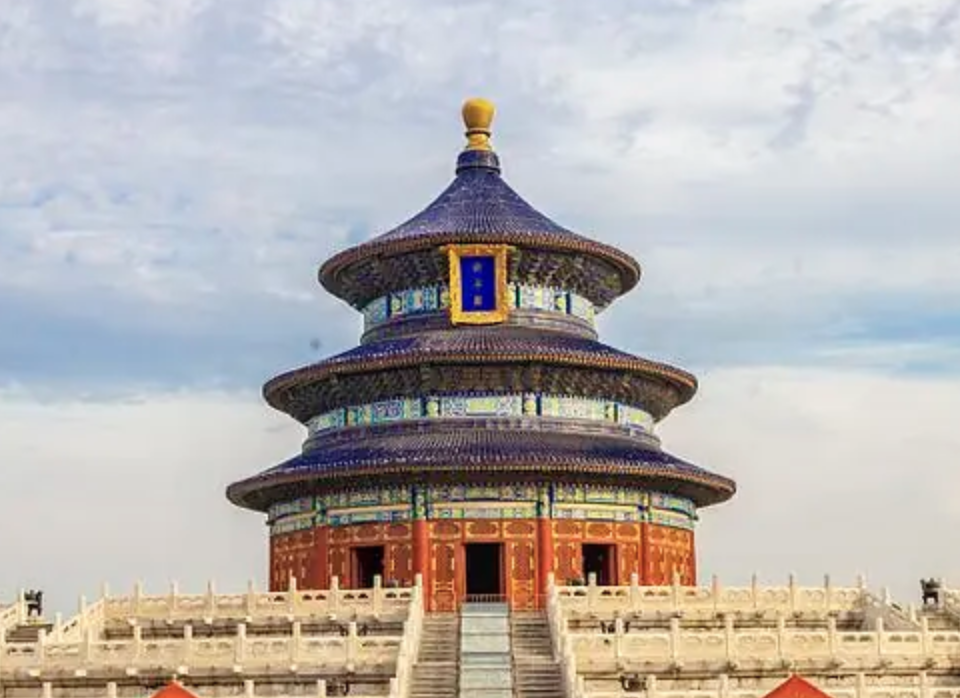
(490, 317)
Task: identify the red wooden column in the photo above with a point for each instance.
(421, 546)
(544, 543)
(319, 573)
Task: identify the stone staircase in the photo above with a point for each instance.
(486, 652)
(485, 663)
(437, 669)
(535, 672)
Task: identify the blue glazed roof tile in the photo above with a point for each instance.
(479, 202)
(424, 449)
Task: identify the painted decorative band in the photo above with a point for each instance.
(391, 504)
(496, 405)
(432, 299)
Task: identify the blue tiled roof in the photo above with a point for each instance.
(482, 344)
(481, 341)
(419, 448)
(478, 202)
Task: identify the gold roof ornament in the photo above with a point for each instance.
(477, 117)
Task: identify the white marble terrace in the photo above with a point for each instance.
(702, 642)
(183, 634)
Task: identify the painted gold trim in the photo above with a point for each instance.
(457, 314)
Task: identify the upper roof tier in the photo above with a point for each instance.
(479, 207)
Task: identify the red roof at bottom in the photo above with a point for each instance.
(173, 690)
(797, 687)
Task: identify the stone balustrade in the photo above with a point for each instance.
(713, 600)
(248, 689)
(254, 605)
(613, 647)
(250, 607)
(240, 653)
(400, 685)
(12, 615)
(79, 647)
(919, 686)
(765, 649)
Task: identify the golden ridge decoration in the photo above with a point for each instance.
(459, 315)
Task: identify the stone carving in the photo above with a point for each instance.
(930, 589)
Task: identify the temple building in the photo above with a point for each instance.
(482, 509)
(480, 436)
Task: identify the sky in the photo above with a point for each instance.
(172, 174)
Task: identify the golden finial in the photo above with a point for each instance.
(477, 116)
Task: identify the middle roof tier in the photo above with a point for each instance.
(480, 360)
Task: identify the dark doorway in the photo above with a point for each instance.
(484, 569)
(600, 560)
(367, 564)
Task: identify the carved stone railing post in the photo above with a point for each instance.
(925, 639)
(879, 630)
(675, 640)
(58, 627)
(111, 689)
(729, 639)
(925, 691)
(334, 595)
(172, 598)
(781, 636)
(593, 592)
(46, 690)
(827, 593)
(86, 646)
(792, 592)
(754, 592)
(249, 689)
(861, 690)
(41, 646)
(832, 637)
(296, 640)
(715, 592)
(250, 599)
(240, 644)
(352, 645)
(635, 598)
(618, 639)
(377, 595)
(652, 686)
(321, 688)
(137, 642)
(724, 686)
(292, 595)
(186, 651)
(675, 591)
(82, 612)
(211, 601)
(137, 598)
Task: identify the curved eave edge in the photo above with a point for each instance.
(329, 272)
(719, 488)
(686, 383)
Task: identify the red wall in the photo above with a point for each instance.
(650, 550)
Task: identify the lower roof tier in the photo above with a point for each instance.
(479, 360)
(444, 453)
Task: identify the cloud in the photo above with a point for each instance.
(133, 489)
(174, 173)
(839, 472)
(179, 164)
